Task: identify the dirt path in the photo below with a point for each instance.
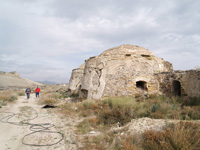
(12, 135)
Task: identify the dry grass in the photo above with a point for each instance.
(182, 136)
(47, 99)
(106, 113)
(20, 92)
(84, 127)
(7, 96)
(101, 115)
(104, 141)
(128, 143)
(68, 109)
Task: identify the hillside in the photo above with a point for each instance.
(13, 79)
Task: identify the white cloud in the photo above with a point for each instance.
(38, 37)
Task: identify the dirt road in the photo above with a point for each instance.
(26, 126)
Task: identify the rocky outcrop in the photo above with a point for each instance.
(14, 73)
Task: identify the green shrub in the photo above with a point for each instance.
(88, 103)
(74, 95)
(116, 109)
(120, 102)
(12, 98)
(114, 115)
(84, 126)
(21, 94)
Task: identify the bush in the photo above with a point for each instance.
(48, 99)
(84, 126)
(116, 110)
(120, 102)
(182, 136)
(74, 95)
(190, 113)
(8, 96)
(87, 104)
(115, 115)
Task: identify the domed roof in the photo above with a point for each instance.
(126, 49)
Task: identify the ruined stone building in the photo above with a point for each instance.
(130, 70)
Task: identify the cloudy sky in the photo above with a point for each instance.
(46, 39)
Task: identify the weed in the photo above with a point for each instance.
(8, 96)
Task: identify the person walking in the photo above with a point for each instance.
(37, 92)
(28, 92)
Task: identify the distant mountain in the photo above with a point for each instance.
(47, 82)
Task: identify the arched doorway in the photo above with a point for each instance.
(141, 85)
(176, 88)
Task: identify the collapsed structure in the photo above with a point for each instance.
(130, 70)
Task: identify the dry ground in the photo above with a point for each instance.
(11, 135)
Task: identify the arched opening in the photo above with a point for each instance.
(141, 85)
(176, 88)
(84, 93)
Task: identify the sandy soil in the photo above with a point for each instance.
(11, 135)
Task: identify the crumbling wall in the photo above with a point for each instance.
(189, 82)
(75, 80)
(93, 81)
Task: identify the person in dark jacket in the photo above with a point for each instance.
(28, 92)
(37, 92)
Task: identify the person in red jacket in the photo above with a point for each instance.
(37, 91)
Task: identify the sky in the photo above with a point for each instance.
(43, 40)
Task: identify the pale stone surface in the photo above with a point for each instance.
(116, 71)
(138, 126)
(75, 80)
(130, 70)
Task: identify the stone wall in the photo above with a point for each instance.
(75, 80)
(179, 83)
